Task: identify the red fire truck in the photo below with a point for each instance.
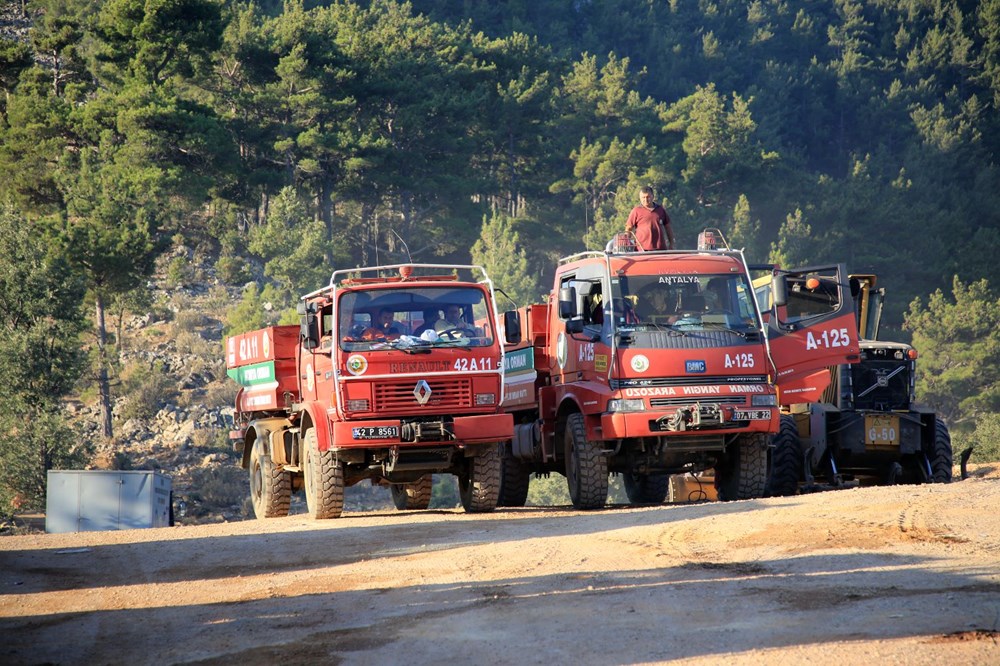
(395, 373)
(648, 364)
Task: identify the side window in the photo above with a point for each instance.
(570, 282)
(593, 303)
(811, 295)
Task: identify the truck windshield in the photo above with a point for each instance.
(684, 303)
(414, 318)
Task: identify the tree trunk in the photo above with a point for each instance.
(102, 371)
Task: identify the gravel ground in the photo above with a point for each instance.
(904, 574)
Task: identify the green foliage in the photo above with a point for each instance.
(335, 134)
(213, 489)
(958, 338)
(500, 252)
(794, 246)
(985, 437)
(40, 315)
(293, 246)
(40, 359)
(148, 389)
(254, 310)
(444, 492)
(548, 491)
(34, 442)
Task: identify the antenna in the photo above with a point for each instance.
(405, 246)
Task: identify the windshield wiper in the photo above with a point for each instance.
(722, 327)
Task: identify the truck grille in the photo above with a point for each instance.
(691, 399)
(617, 384)
(881, 385)
(443, 396)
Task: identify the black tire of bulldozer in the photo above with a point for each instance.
(586, 466)
(646, 488)
(270, 487)
(412, 496)
(515, 477)
(744, 475)
(324, 480)
(786, 460)
(479, 486)
(941, 456)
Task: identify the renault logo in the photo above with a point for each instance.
(422, 392)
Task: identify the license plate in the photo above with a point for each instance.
(752, 415)
(375, 432)
(881, 430)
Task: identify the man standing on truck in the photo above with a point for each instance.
(650, 223)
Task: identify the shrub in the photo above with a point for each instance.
(985, 438)
(216, 488)
(179, 272)
(233, 270)
(148, 388)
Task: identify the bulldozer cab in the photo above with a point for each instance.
(868, 301)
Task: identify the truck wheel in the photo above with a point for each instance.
(324, 480)
(586, 466)
(479, 485)
(412, 496)
(515, 477)
(270, 487)
(941, 455)
(786, 460)
(646, 488)
(745, 473)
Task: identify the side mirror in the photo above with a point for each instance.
(567, 303)
(308, 331)
(779, 291)
(574, 326)
(512, 327)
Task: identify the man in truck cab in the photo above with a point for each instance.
(453, 321)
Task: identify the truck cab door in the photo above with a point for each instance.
(811, 326)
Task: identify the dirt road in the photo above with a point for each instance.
(905, 574)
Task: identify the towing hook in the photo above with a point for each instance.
(677, 421)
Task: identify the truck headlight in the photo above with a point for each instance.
(486, 399)
(626, 405)
(769, 400)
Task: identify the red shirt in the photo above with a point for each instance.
(646, 224)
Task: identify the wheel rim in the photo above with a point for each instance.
(256, 482)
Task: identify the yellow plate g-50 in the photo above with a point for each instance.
(881, 430)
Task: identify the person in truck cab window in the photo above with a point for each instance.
(385, 324)
(717, 295)
(650, 223)
(431, 317)
(452, 320)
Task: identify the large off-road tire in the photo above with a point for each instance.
(324, 480)
(270, 487)
(586, 466)
(646, 488)
(412, 496)
(786, 460)
(941, 455)
(479, 484)
(515, 477)
(744, 475)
